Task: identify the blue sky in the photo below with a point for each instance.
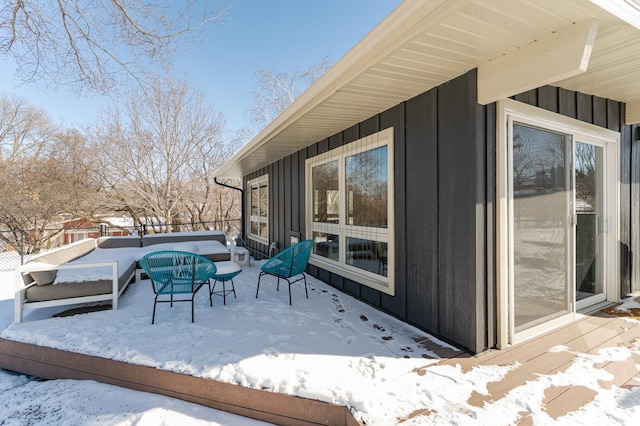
(280, 35)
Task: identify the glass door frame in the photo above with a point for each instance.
(509, 111)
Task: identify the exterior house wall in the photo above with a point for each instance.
(445, 229)
(440, 171)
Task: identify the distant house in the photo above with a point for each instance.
(471, 167)
(77, 229)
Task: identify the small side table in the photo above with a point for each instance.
(226, 271)
(242, 256)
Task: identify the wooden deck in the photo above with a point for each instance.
(585, 336)
(535, 357)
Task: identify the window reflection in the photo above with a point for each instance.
(366, 184)
(586, 177)
(538, 161)
(368, 255)
(264, 200)
(326, 200)
(588, 171)
(326, 245)
(254, 201)
(541, 213)
(259, 208)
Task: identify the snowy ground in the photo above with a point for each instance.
(328, 347)
(71, 402)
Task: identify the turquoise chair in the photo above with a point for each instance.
(177, 273)
(288, 264)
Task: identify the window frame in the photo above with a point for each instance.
(259, 182)
(342, 229)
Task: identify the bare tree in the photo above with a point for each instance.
(155, 153)
(98, 44)
(276, 90)
(209, 201)
(73, 153)
(40, 175)
(24, 129)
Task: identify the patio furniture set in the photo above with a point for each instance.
(178, 264)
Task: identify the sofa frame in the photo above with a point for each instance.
(24, 280)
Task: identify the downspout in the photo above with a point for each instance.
(242, 201)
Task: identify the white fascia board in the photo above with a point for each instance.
(561, 55)
(625, 10)
(633, 112)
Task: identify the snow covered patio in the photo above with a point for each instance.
(335, 349)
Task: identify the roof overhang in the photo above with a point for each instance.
(590, 46)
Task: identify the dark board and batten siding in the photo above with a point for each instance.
(461, 213)
(440, 186)
(445, 219)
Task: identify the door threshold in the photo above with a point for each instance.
(588, 310)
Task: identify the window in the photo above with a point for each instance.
(259, 209)
(350, 210)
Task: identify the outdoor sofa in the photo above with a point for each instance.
(99, 270)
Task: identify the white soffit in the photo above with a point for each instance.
(422, 45)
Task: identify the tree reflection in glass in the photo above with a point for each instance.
(366, 182)
(326, 200)
(541, 213)
(588, 168)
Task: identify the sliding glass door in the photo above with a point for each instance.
(557, 215)
(542, 232)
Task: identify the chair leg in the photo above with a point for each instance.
(193, 296)
(233, 289)
(153, 316)
(210, 293)
(258, 288)
(305, 285)
(224, 292)
(289, 282)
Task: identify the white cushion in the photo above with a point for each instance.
(188, 247)
(44, 277)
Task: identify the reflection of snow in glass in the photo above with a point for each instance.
(541, 207)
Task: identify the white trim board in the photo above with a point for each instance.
(562, 55)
